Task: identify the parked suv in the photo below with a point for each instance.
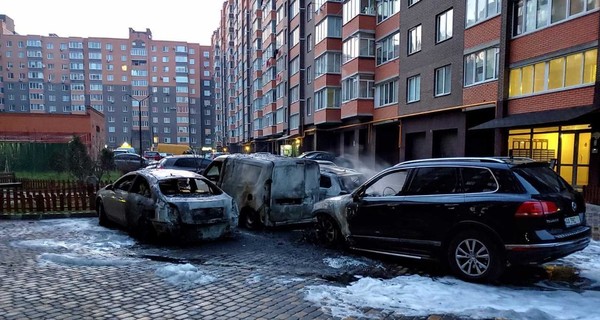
(476, 214)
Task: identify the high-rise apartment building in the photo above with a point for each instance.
(159, 91)
(384, 81)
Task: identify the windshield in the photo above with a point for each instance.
(350, 183)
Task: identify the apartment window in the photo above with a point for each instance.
(328, 97)
(413, 89)
(353, 8)
(330, 62)
(444, 26)
(330, 27)
(295, 37)
(480, 10)
(530, 15)
(481, 66)
(294, 94)
(358, 86)
(294, 9)
(295, 65)
(309, 75)
(309, 106)
(414, 40)
(309, 43)
(386, 9)
(443, 80)
(562, 72)
(411, 2)
(361, 44)
(388, 48)
(386, 93)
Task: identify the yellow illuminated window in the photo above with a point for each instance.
(527, 80)
(556, 72)
(590, 66)
(539, 77)
(515, 79)
(574, 70)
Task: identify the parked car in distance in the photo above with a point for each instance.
(328, 156)
(178, 204)
(123, 150)
(476, 214)
(126, 162)
(336, 180)
(189, 162)
(152, 155)
(269, 190)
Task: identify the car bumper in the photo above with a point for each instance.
(193, 232)
(544, 252)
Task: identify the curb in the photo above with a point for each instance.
(48, 215)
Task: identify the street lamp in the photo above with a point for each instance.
(140, 124)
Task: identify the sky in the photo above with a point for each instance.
(191, 21)
(409, 295)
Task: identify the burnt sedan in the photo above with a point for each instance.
(177, 204)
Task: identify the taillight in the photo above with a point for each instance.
(536, 208)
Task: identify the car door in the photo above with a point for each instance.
(433, 202)
(371, 215)
(140, 202)
(115, 204)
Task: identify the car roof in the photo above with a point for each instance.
(168, 174)
(340, 171)
(467, 161)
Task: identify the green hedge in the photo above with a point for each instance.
(32, 157)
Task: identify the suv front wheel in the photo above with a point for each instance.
(472, 256)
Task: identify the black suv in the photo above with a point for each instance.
(476, 214)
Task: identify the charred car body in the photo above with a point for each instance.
(176, 203)
(337, 180)
(269, 190)
(478, 215)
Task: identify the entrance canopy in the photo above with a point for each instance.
(548, 117)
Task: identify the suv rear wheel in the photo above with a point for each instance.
(472, 256)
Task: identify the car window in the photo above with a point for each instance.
(390, 184)
(186, 162)
(349, 183)
(186, 187)
(325, 182)
(124, 183)
(141, 186)
(478, 180)
(434, 181)
(213, 170)
(542, 178)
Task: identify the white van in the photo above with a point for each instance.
(269, 190)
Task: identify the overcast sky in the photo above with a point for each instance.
(176, 20)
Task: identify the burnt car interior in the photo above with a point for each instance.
(185, 186)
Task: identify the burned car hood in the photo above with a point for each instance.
(333, 204)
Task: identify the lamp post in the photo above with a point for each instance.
(140, 124)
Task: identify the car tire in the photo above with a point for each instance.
(328, 231)
(251, 219)
(473, 256)
(102, 218)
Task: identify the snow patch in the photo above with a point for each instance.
(341, 262)
(254, 279)
(287, 280)
(184, 275)
(587, 261)
(83, 261)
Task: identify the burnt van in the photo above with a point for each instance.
(269, 190)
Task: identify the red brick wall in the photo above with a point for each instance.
(560, 36)
(483, 33)
(385, 112)
(485, 92)
(550, 101)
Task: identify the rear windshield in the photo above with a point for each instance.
(542, 178)
(186, 186)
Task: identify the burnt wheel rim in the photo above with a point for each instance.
(472, 257)
(328, 230)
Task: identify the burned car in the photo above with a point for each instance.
(477, 215)
(178, 204)
(337, 180)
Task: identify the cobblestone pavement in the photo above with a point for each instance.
(74, 269)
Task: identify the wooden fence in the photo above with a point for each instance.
(591, 194)
(48, 196)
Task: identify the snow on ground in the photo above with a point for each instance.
(416, 295)
(186, 275)
(341, 262)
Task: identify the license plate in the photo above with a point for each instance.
(572, 221)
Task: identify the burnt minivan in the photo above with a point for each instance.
(269, 190)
